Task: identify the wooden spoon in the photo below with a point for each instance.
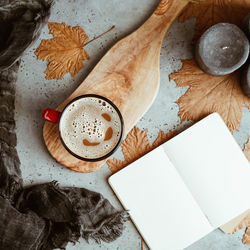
(128, 75)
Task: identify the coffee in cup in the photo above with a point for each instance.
(91, 127)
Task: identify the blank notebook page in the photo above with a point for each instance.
(213, 167)
(159, 203)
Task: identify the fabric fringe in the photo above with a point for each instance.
(110, 230)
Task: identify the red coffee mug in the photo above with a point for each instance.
(54, 116)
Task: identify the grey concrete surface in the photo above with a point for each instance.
(34, 93)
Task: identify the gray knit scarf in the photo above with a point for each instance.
(43, 216)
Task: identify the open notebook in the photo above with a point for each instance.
(186, 188)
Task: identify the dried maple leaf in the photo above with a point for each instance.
(64, 52)
(246, 237)
(208, 94)
(163, 137)
(247, 150)
(136, 145)
(210, 12)
(243, 224)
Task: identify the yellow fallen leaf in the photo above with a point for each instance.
(208, 94)
(136, 145)
(210, 12)
(247, 151)
(64, 52)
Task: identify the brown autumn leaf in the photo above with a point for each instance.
(163, 137)
(136, 145)
(246, 236)
(210, 12)
(64, 52)
(208, 94)
(247, 150)
(243, 224)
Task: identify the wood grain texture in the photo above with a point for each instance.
(128, 75)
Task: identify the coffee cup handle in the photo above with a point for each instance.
(51, 115)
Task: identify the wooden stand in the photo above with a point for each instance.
(128, 75)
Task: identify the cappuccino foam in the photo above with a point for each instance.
(90, 127)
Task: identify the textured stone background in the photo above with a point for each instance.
(34, 93)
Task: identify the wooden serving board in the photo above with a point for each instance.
(128, 75)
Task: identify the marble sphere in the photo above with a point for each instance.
(222, 49)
